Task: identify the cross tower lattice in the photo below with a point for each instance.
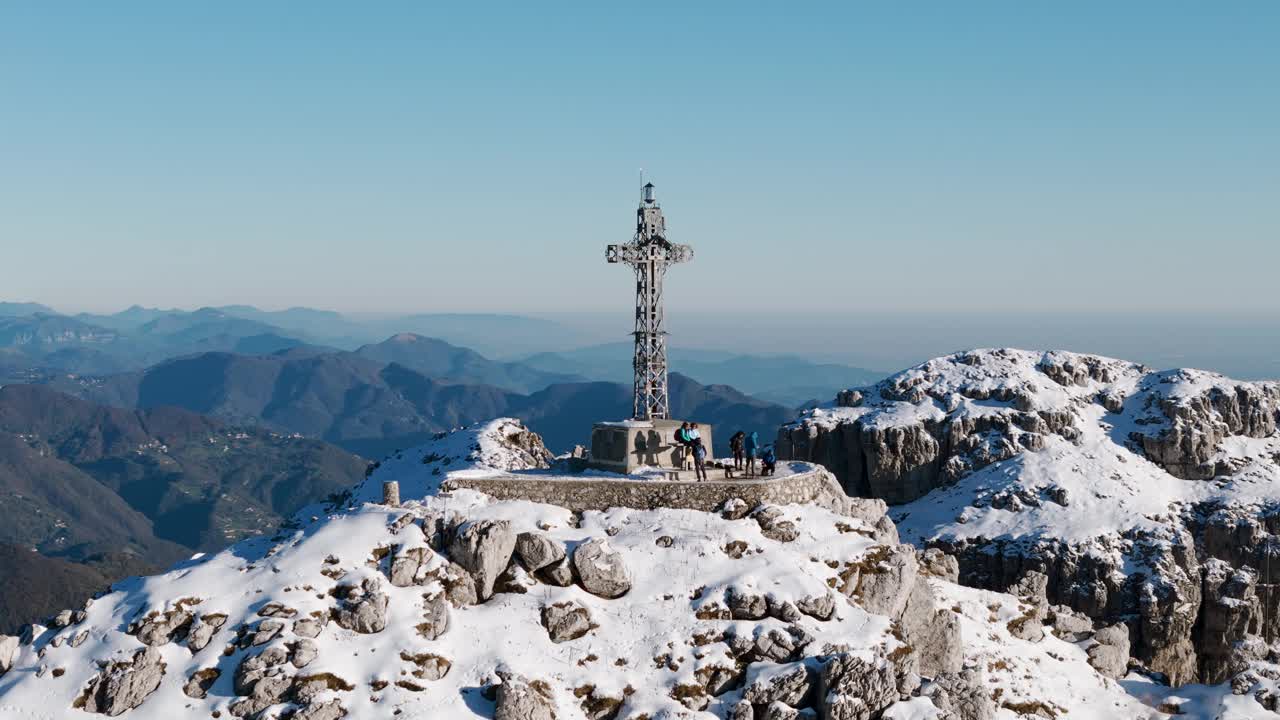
(650, 253)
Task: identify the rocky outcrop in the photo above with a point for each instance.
(1186, 443)
(123, 686)
(1162, 606)
(849, 687)
(1190, 589)
(876, 449)
(270, 677)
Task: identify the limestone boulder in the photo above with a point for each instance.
(961, 696)
(1110, 655)
(303, 652)
(483, 548)
(516, 698)
(197, 686)
(939, 564)
(309, 627)
(204, 629)
(559, 574)
(331, 710)
(566, 621)
(123, 686)
(886, 577)
(601, 569)
(774, 526)
(436, 616)
(363, 608)
(537, 551)
(745, 604)
(1069, 625)
(406, 563)
(789, 686)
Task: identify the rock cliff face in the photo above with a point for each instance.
(460, 605)
(1148, 498)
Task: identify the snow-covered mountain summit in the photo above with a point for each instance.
(455, 605)
(1150, 498)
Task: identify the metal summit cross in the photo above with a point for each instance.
(650, 253)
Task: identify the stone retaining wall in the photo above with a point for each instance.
(816, 487)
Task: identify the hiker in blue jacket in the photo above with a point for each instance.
(768, 461)
(750, 445)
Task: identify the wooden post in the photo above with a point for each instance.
(391, 493)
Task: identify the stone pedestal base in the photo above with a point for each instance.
(626, 446)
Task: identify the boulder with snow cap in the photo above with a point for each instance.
(939, 564)
(363, 608)
(745, 604)
(483, 548)
(773, 525)
(436, 615)
(788, 685)
(518, 698)
(779, 711)
(405, 564)
(734, 509)
(203, 630)
(601, 569)
(566, 621)
(537, 551)
(124, 685)
(8, 650)
(887, 575)
(331, 710)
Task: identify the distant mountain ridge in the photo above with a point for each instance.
(508, 351)
(372, 408)
(783, 379)
(124, 491)
(443, 361)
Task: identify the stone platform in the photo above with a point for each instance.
(628, 445)
(810, 484)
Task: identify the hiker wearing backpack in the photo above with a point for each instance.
(735, 446)
(699, 459)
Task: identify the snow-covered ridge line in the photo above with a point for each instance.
(1123, 484)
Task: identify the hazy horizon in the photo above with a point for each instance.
(1244, 345)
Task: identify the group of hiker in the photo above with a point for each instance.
(745, 447)
(689, 437)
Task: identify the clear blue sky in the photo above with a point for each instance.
(474, 156)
